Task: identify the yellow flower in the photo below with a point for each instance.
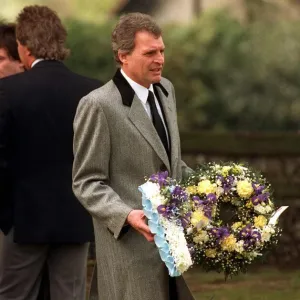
(229, 243)
(260, 221)
(198, 217)
(225, 170)
(236, 170)
(236, 225)
(192, 189)
(201, 237)
(249, 204)
(244, 189)
(206, 187)
(211, 253)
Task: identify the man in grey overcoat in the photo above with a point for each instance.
(123, 132)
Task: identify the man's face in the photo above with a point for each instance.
(9, 66)
(25, 56)
(145, 63)
(22, 54)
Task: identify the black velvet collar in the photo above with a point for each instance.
(126, 90)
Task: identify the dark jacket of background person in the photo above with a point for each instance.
(36, 198)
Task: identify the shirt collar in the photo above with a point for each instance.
(36, 61)
(139, 90)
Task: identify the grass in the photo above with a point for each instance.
(262, 284)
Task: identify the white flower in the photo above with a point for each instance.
(267, 232)
(265, 236)
(260, 209)
(189, 230)
(254, 254)
(151, 191)
(268, 209)
(177, 244)
(219, 191)
(239, 246)
(219, 182)
(263, 209)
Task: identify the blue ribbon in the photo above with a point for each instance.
(159, 238)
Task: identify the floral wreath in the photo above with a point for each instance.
(231, 223)
(222, 218)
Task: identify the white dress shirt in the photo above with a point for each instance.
(142, 94)
(36, 61)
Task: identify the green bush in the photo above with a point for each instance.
(91, 53)
(227, 75)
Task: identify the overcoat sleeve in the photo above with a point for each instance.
(91, 167)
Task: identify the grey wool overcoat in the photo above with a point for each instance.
(115, 148)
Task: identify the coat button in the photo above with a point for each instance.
(163, 168)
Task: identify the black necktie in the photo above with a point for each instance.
(157, 121)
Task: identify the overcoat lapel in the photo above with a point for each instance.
(142, 122)
(170, 116)
(144, 125)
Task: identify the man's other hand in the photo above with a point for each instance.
(137, 220)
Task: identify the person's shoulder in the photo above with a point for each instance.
(13, 83)
(100, 96)
(8, 80)
(166, 83)
(88, 80)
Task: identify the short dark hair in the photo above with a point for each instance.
(40, 29)
(123, 35)
(8, 40)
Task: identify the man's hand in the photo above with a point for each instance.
(137, 220)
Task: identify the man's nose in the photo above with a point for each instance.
(159, 58)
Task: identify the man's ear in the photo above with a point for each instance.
(27, 52)
(123, 56)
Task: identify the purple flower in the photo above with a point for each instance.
(246, 232)
(162, 210)
(260, 196)
(249, 236)
(220, 177)
(258, 189)
(226, 182)
(179, 193)
(220, 233)
(185, 220)
(160, 178)
(256, 235)
(208, 212)
(197, 200)
(207, 204)
(167, 211)
(258, 199)
(211, 198)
